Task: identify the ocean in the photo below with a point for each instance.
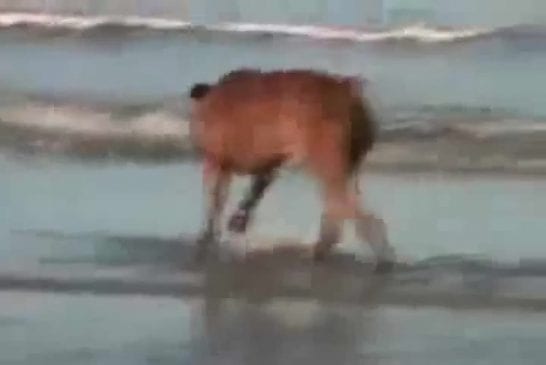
(100, 190)
(126, 80)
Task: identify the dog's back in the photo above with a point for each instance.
(250, 119)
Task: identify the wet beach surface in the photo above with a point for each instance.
(112, 280)
(144, 301)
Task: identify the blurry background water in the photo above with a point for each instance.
(348, 12)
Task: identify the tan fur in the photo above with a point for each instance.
(252, 122)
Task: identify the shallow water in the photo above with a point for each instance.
(500, 72)
(53, 329)
(96, 268)
(428, 214)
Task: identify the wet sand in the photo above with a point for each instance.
(85, 329)
(96, 268)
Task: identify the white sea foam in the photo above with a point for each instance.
(417, 32)
(85, 121)
(87, 22)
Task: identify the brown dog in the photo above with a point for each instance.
(254, 122)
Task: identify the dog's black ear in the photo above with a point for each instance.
(199, 90)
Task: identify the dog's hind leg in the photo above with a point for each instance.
(216, 181)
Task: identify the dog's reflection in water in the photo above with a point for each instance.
(276, 306)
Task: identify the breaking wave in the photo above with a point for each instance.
(448, 137)
(417, 32)
(134, 132)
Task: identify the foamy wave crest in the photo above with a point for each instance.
(88, 22)
(73, 119)
(79, 131)
(418, 32)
